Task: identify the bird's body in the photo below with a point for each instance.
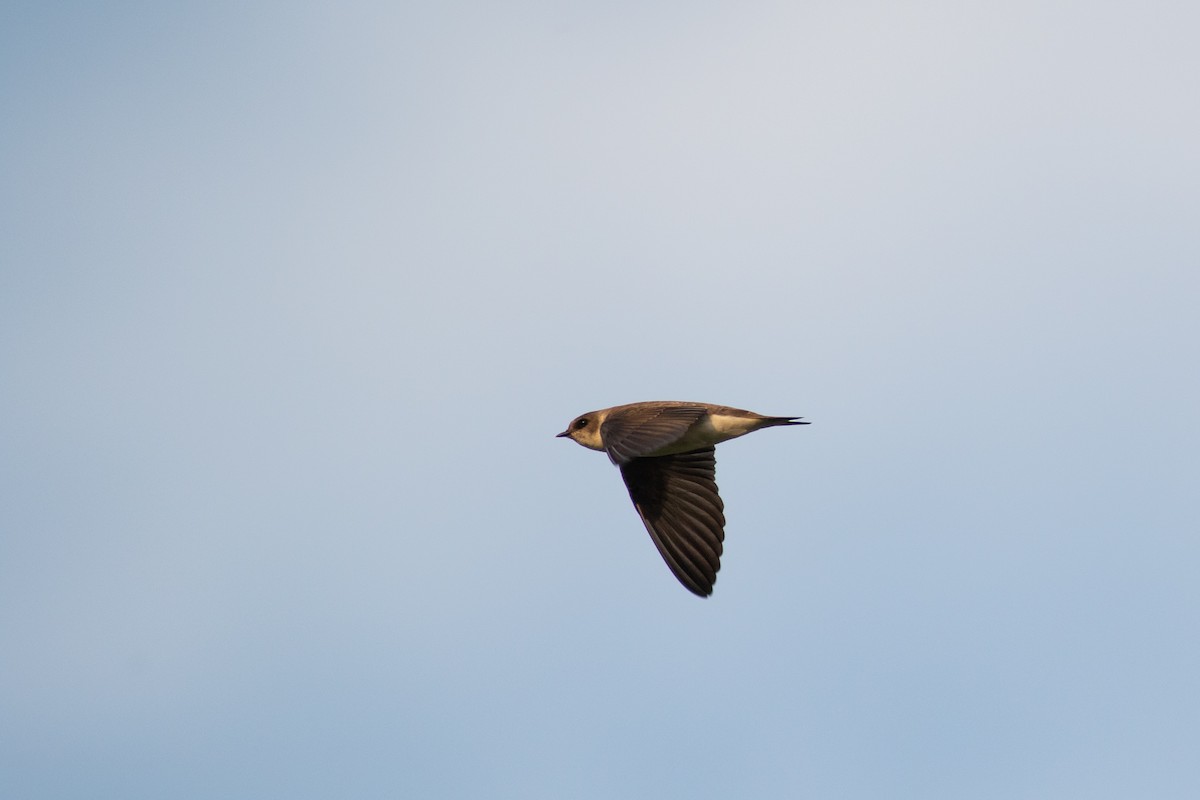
(665, 450)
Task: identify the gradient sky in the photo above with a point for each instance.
(293, 298)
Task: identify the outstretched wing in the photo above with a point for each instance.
(676, 497)
(643, 428)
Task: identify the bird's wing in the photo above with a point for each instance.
(677, 498)
(641, 429)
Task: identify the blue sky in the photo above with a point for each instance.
(294, 297)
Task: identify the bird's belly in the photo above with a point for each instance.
(711, 430)
(727, 426)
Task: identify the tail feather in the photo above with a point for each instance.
(771, 422)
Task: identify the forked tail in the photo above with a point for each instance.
(771, 422)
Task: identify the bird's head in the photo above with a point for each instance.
(585, 429)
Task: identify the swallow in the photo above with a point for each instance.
(666, 451)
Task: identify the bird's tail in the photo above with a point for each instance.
(771, 422)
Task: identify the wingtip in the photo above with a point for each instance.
(701, 588)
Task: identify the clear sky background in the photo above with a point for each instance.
(293, 298)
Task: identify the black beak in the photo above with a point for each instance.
(560, 435)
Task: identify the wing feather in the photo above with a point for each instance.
(676, 497)
(643, 428)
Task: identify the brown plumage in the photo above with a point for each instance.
(666, 454)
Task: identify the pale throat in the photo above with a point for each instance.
(589, 438)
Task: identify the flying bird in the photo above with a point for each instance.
(666, 453)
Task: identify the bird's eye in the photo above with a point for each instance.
(581, 423)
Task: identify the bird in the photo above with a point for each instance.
(666, 452)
